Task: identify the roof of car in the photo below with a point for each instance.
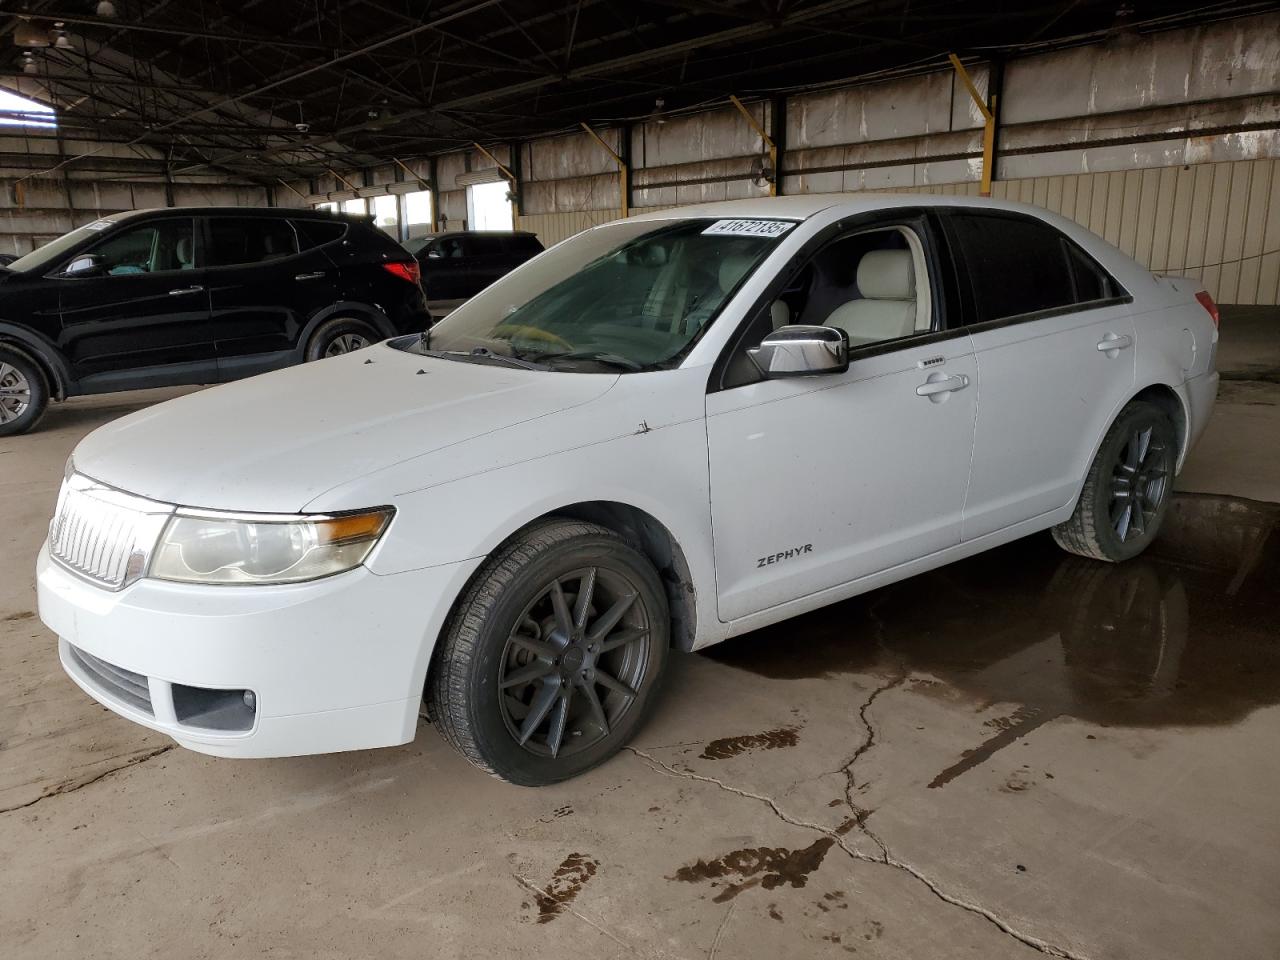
(475, 233)
(803, 206)
(240, 211)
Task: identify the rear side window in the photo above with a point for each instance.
(316, 233)
(481, 245)
(242, 240)
(525, 245)
(1019, 265)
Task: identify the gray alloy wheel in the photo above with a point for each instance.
(553, 655)
(24, 392)
(574, 661)
(1126, 492)
(15, 393)
(340, 336)
(345, 343)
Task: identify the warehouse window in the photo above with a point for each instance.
(358, 206)
(417, 213)
(488, 207)
(386, 214)
(16, 111)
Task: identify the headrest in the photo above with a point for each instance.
(183, 250)
(779, 313)
(887, 275)
(731, 270)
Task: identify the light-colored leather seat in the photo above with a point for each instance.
(887, 308)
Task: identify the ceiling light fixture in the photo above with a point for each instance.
(106, 8)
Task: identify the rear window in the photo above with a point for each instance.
(316, 233)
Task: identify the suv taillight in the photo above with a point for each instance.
(405, 271)
(1206, 301)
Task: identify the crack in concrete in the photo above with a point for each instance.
(71, 786)
(570, 909)
(886, 859)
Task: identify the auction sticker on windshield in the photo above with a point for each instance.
(749, 228)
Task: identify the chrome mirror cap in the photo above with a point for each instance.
(802, 351)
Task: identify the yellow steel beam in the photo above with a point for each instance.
(422, 184)
(768, 142)
(337, 176)
(288, 186)
(623, 172)
(989, 123)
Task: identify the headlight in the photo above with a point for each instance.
(207, 547)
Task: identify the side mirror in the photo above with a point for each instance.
(802, 351)
(86, 265)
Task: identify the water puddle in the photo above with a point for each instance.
(1185, 634)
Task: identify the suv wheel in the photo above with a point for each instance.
(1126, 492)
(24, 393)
(341, 335)
(553, 655)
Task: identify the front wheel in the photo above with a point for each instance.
(1126, 492)
(553, 655)
(24, 393)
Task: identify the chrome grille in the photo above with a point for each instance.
(104, 534)
(115, 681)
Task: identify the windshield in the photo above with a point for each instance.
(42, 258)
(629, 295)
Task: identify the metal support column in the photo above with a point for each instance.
(624, 178)
(768, 142)
(988, 108)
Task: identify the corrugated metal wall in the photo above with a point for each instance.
(1218, 222)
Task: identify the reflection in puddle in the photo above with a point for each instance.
(1184, 634)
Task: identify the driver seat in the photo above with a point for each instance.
(184, 253)
(887, 308)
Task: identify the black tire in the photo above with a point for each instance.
(1130, 475)
(500, 623)
(341, 335)
(24, 393)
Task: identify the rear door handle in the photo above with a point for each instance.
(181, 290)
(939, 384)
(1112, 343)
(310, 276)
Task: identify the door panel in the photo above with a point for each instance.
(262, 292)
(148, 310)
(818, 481)
(1048, 390)
(445, 272)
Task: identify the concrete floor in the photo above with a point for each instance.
(1020, 754)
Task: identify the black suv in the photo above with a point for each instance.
(460, 263)
(156, 298)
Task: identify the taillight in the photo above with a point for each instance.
(405, 271)
(1206, 301)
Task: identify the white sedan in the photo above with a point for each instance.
(666, 431)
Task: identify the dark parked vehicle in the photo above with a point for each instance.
(157, 298)
(458, 264)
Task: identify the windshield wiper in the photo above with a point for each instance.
(610, 359)
(482, 354)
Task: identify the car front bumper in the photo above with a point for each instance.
(334, 664)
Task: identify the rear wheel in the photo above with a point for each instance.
(24, 393)
(341, 335)
(553, 655)
(1126, 492)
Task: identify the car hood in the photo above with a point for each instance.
(276, 442)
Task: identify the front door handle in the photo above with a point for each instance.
(181, 290)
(310, 276)
(939, 385)
(1113, 343)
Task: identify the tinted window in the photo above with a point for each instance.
(315, 233)
(525, 245)
(150, 248)
(1015, 265)
(491, 245)
(234, 240)
(1089, 281)
(450, 248)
